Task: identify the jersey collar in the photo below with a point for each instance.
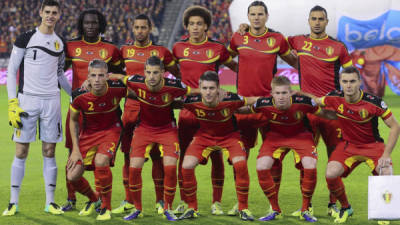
(200, 43)
(251, 34)
(323, 38)
(90, 43)
(149, 44)
(359, 99)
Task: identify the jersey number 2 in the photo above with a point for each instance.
(307, 46)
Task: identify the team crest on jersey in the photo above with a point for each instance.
(271, 42)
(363, 113)
(329, 50)
(154, 53)
(103, 53)
(298, 115)
(166, 98)
(210, 53)
(225, 112)
(56, 45)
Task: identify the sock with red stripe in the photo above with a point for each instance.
(169, 185)
(125, 175)
(82, 186)
(103, 182)
(157, 173)
(217, 176)
(267, 185)
(308, 186)
(242, 183)
(336, 187)
(135, 187)
(190, 187)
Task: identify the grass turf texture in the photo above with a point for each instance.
(32, 196)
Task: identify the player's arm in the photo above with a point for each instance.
(174, 70)
(62, 79)
(244, 110)
(318, 101)
(117, 76)
(290, 59)
(131, 94)
(231, 64)
(243, 28)
(327, 114)
(14, 111)
(394, 132)
(116, 68)
(74, 129)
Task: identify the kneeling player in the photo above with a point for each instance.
(358, 114)
(95, 143)
(217, 132)
(287, 130)
(156, 128)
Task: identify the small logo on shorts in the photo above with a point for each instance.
(387, 197)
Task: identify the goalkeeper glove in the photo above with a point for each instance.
(15, 113)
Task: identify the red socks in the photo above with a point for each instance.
(125, 176)
(217, 176)
(308, 184)
(135, 187)
(103, 182)
(158, 178)
(242, 183)
(70, 187)
(169, 185)
(190, 187)
(276, 172)
(268, 186)
(82, 186)
(180, 179)
(336, 187)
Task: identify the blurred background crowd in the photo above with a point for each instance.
(18, 16)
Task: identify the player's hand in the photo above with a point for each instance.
(222, 94)
(86, 85)
(15, 113)
(74, 158)
(384, 162)
(243, 28)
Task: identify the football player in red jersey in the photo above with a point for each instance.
(80, 51)
(134, 58)
(288, 130)
(195, 55)
(358, 114)
(157, 127)
(217, 132)
(94, 144)
(320, 58)
(258, 49)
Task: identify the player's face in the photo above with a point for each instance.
(91, 25)
(196, 27)
(350, 83)
(97, 78)
(153, 75)
(141, 30)
(317, 22)
(281, 95)
(208, 91)
(50, 15)
(257, 17)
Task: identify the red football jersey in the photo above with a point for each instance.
(288, 122)
(218, 121)
(99, 112)
(319, 63)
(81, 52)
(135, 57)
(359, 121)
(257, 60)
(196, 58)
(155, 107)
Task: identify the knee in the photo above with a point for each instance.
(238, 159)
(101, 160)
(21, 150)
(333, 171)
(188, 163)
(75, 174)
(48, 151)
(309, 163)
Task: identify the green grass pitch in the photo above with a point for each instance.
(32, 196)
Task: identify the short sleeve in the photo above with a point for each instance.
(225, 57)
(284, 48)
(116, 57)
(168, 58)
(383, 111)
(345, 59)
(232, 45)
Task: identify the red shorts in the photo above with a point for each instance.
(248, 125)
(201, 147)
(187, 127)
(351, 155)
(68, 139)
(129, 120)
(277, 146)
(145, 139)
(329, 130)
(104, 142)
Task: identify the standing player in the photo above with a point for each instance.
(258, 49)
(320, 58)
(39, 55)
(80, 51)
(217, 132)
(94, 144)
(134, 58)
(195, 55)
(156, 128)
(358, 114)
(287, 130)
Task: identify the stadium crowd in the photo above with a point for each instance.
(18, 16)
